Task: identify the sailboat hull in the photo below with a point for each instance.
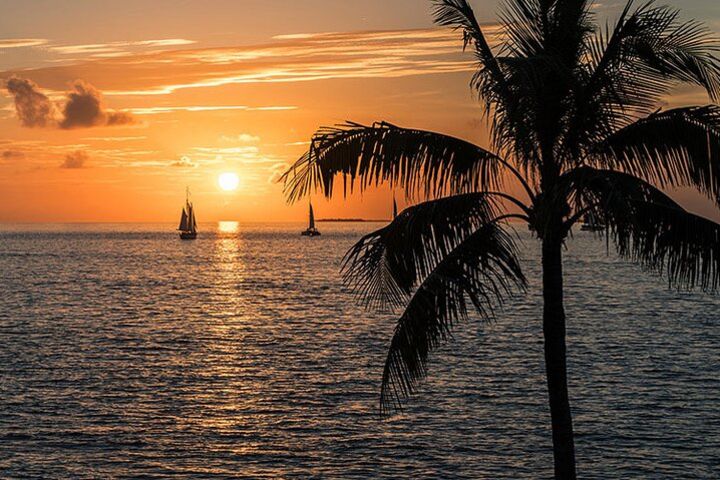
(310, 233)
(188, 235)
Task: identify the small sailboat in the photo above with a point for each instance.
(311, 230)
(188, 224)
(591, 224)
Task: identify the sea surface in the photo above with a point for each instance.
(125, 353)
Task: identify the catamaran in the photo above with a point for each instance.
(188, 225)
(311, 230)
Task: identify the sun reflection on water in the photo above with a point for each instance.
(228, 227)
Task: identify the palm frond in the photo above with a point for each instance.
(547, 27)
(483, 269)
(648, 52)
(459, 15)
(526, 25)
(651, 229)
(681, 51)
(384, 267)
(632, 66)
(679, 147)
(489, 80)
(425, 163)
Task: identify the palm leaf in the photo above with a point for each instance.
(385, 266)
(651, 229)
(679, 147)
(421, 162)
(459, 15)
(483, 269)
(631, 67)
(650, 50)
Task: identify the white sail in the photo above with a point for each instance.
(183, 221)
(312, 218)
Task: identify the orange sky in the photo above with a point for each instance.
(113, 127)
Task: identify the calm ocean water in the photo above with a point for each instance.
(125, 352)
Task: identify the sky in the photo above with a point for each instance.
(110, 109)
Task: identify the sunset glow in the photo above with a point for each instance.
(174, 101)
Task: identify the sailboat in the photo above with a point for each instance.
(311, 230)
(188, 225)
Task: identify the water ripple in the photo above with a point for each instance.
(130, 353)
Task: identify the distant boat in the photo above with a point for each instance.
(591, 224)
(311, 230)
(188, 224)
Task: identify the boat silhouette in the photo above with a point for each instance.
(592, 224)
(311, 230)
(188, 224)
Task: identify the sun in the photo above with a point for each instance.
(228, 181)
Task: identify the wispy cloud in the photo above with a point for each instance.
(116, 139)
(21, 42)
(114, 49)
(241, 138)
(294, 58)
(276, 172)
(203, 108)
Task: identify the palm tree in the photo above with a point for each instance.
(574, 116)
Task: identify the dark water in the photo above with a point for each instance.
(125, 352)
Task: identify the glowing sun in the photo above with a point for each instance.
(228, 181)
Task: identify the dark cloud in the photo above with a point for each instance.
(12, 154)
(83, 108)
(184, 162)
(34, 108)
(76, 159)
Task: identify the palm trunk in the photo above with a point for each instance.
(555, 360)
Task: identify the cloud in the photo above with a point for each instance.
(12, 154)
(33, 108)
(277, 171)
(246, 150)
(184, 162)
(83, 107)
(206, 108)
(241, 138)
(76, 159)
(115, 49)
(21, 42)
(116, 139)
(295, 58)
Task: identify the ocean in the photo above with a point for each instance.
(125, 352)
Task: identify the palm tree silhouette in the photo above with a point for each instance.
(574, 120)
